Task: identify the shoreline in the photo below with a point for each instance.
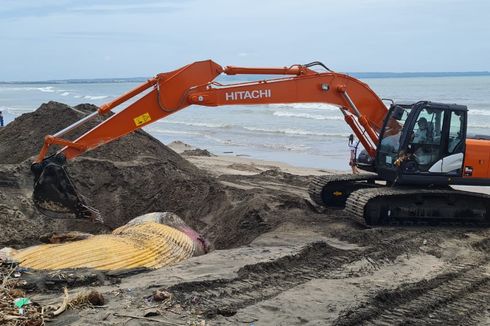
(236, 164)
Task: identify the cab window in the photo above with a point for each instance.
(456, 133)
(390, 139)
(425, 139)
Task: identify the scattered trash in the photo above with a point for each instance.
(424, 242)
(145, 318)
(20, 303)
(160, 295)
(91, 297)
(152, 312)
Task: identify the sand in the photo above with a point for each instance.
(312, 268)
(280, 260)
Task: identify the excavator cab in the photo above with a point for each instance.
(422, 140)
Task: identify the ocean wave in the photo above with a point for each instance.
(291, 148)
(172, 132)
(95, 97)
(306, 106)
(282, 147)
(47, 89)
(293, 132)
(65, 94)
(297, 132)
(15, 111)
(17, 89)
(199, 124)
(306, 116)
(479, 112)
(479, 126)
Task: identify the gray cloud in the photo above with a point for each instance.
(29, 8)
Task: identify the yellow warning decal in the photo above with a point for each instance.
(144, 118)
(337, 193)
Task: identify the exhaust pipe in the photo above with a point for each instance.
(55, 194)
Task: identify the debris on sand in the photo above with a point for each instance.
(15, 307)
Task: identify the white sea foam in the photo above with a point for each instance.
(65, 94)
(280, 147)
(306, 106)
(306, 115)
(294, 132)
(292, 148)
(479, 112)
(95, 97)
(479, 126)
(199, 124)
(15, 111)
(171, 132)
(298, 132)
(47, 89)
(17, 89)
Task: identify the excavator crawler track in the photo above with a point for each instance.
(389, 205)
(333, 190)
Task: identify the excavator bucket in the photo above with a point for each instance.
(55, 194)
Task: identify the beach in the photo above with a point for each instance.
(240, 176)
(311, 268)
(278, 259)
(321, 268)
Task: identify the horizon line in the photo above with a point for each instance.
(367, 74)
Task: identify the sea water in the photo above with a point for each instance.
(302, 134)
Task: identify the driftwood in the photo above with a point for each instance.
(64, 304)
(145, 318)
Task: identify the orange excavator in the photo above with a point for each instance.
(415, 151)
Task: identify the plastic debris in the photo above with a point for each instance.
(20, 303)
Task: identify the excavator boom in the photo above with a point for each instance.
(194, 84)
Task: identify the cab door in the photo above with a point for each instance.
(452, 145)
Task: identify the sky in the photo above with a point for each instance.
(64, 39)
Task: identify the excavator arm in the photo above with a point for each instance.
(194, 84)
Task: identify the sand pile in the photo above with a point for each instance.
(123, 179)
